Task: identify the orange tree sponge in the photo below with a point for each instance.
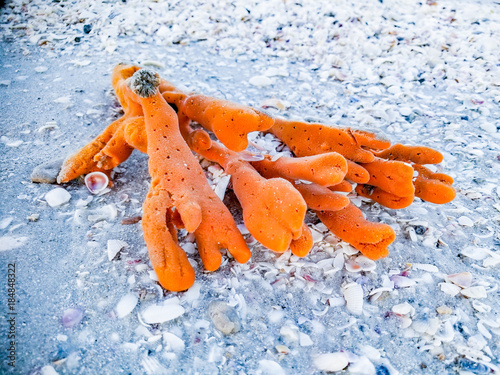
(302, 245)
(343, 186)
(177, 175)
(433, 187)
(230, 122)
(356, 173)
(349, 225)
(393, 176)
(383, 197)
(325, 169)
(317, 197)
(110, 148)
(273, 211)
(415, 154)
(82, 162)
(306, 139)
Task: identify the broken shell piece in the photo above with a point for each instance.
(362, 366)
(474, 252)
(450, 288)
(114, 247)
(474, 292)
(462, 279)
(173, 342)
(402, 282)
(353, 295)
(289, 333)
(274, 103)
(282, 349)
(361, 263)
(404, 321)
(96, 182)
(331, 362)
(427, 326)
(352, 266)
(365, 263)
(162, 313)
(126, 304)
(403, 309)
(444, 310)
(57, 197)
(481, 307)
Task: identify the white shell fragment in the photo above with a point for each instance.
(362, 366)
(48, 370)
(462, 279)
(474, 252)
(220, 188)
(126, 305)
(268, 367)
(465, 221)
(403, 309)
(289, 333)
(114, 247)
(353, 295)
(173, 342)
(282, 349)
(359, 264)
(450, 288)
(162, 313)
(402, 281)
(260, 81)
(57, 197)
(305, 339)
(365, 263)
(96, 182)
(331, 362)
(474, 292)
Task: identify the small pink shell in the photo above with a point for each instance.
(96, 182)
(71, 317)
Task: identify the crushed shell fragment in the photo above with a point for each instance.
(353, 295)
(331, 362)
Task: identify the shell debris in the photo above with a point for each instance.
(57, 197)
(353, 295)
(331, 362)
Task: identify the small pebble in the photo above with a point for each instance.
(46, 173)
(224, 317)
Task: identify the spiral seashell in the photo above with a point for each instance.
(353, 295)
(96, 182)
